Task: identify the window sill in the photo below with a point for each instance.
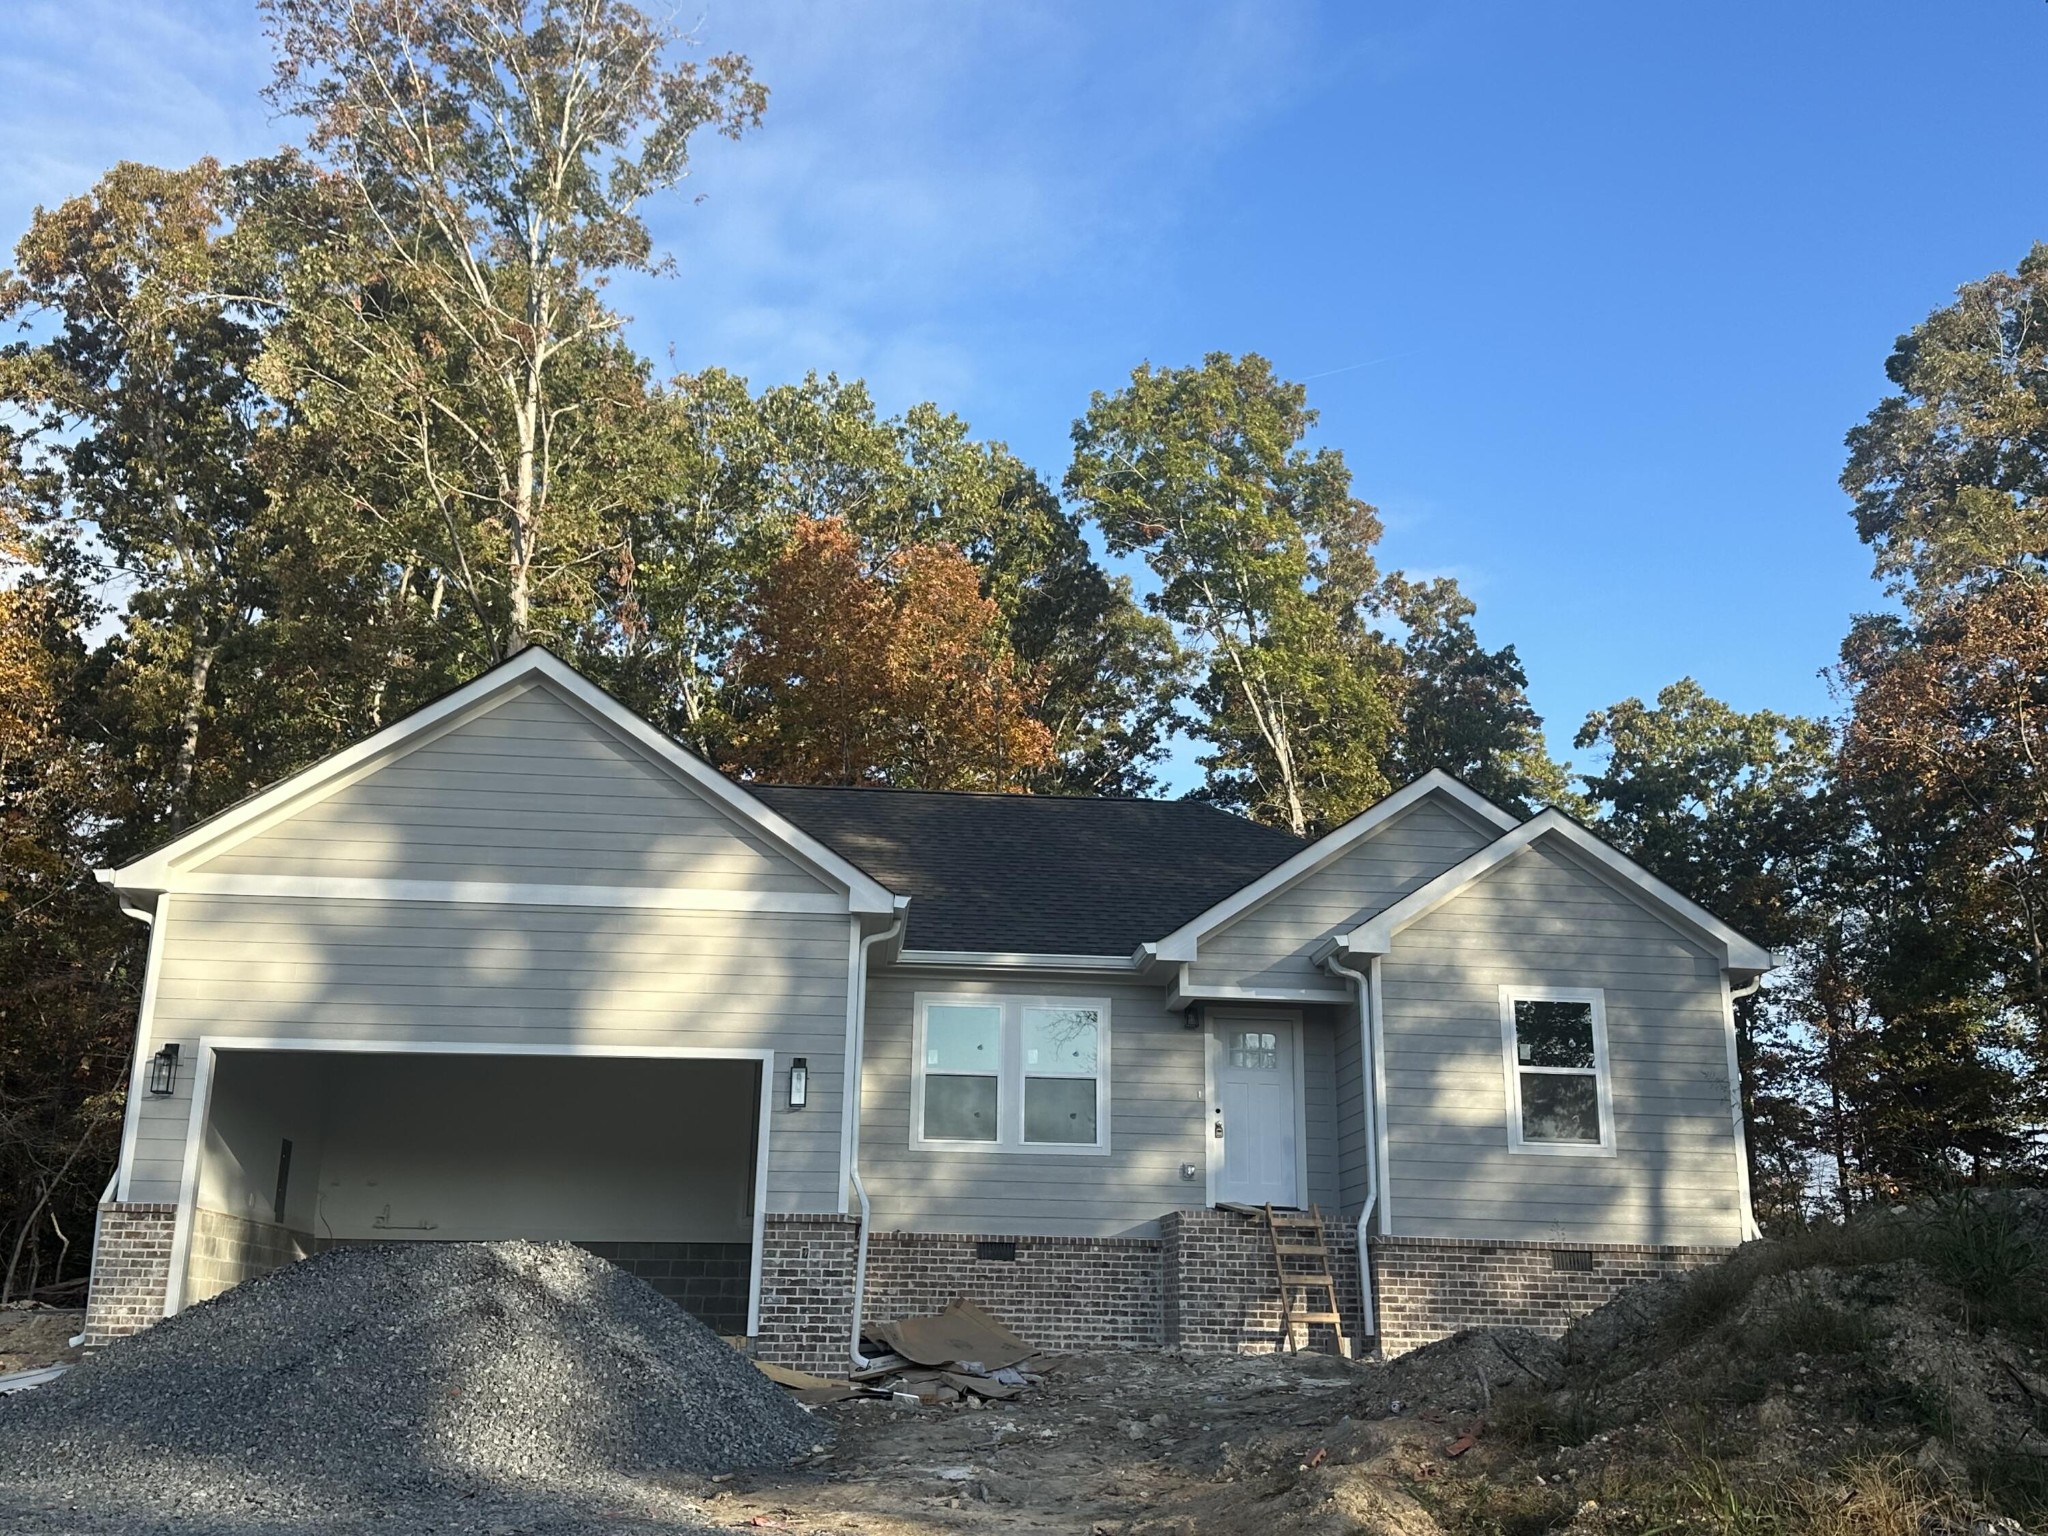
(1005, 1149)
(1561, 1149)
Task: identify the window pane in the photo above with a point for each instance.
(1059, 1109)
(1560, 1106)
(1554, 1034)
(1255, 1050)
(960, 1108)
(1059, 1040)
(961, 1038)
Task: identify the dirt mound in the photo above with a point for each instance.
(1908, 1348)
(400, 1372)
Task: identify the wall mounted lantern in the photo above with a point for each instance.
(163, 1072)
(799, 1081)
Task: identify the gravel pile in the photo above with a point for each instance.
(401, 1375)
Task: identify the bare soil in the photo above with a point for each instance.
(33, 1338)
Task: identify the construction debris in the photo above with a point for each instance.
(961, 1356)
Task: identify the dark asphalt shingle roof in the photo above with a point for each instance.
(1040, 874)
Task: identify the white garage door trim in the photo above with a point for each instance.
(210, 1047)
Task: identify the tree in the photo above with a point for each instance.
(1264, 562)
(898, 674)
(1466, 709)
(748, 469)
(1736, 811)
(144, 419)
(1950, 475)
(487, 160)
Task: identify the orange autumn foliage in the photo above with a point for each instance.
(898, 674)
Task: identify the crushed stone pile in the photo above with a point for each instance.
(403, 1372)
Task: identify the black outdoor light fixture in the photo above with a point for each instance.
(163, 1072)
(799, 1081)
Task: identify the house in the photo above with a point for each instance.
(520, 965)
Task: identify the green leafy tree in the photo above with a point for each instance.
(483, 167)
(1735, 810)
(748, 469)
(1950, 474)
(1264, 562)
(1466, 709)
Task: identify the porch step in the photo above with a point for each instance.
(1301, 1264)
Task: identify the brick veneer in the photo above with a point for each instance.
(806, 1291)
(1430, 1287)
(226, 1250)
(1221, 1290)
(1059, 1292)
(131, 1270)
(707, 1280)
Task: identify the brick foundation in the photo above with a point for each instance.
(1222, 1293)
(226, 1250)
(1058, 1292)
(806, 1291)
(1430, 1287)
(707, 1280)
(131, 1270)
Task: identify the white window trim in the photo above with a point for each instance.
(1603, 1077)
(1010, 1075)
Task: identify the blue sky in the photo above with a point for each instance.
(1587, 293)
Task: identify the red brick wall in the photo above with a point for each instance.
(1222, 1292)
(1059, 1292)
(131, 1270)
(1430, 1287)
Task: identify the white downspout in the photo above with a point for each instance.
(1362, 989)
(857, 1048)
(1750, 1227)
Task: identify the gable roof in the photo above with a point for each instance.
(532, 667)
(1376, 935)
(1180, 943)
(1038, 874)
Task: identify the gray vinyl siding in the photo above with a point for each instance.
(1271, 945)
(505, 975)
(1156, 1114)
(1319, 1107)
(1351, 1141)
(534, 791)
(1542, 919)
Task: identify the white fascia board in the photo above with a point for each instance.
(1376, 936)
(1010, 960)
(497, 893)
(157, 871)
(1181, 945)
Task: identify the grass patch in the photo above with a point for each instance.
(1529, 1417)
(1809, 1326)
(1991, 1252)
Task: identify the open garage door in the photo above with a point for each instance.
(653, 1162)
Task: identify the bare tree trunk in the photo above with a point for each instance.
(188, 729)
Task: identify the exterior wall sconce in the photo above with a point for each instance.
(799, 1081)
(163, 1072)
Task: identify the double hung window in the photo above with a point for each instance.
(1011, 1074)
(1560, 1097)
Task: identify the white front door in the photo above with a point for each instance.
(1253, 1119)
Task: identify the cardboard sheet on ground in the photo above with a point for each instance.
(962, 1332)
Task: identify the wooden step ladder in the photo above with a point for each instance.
(1301, 1262)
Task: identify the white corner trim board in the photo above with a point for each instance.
(211, 1046)
(532, 667)
(1376, 936)
(1181, 944)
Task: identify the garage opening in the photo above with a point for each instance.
(648, 1162)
